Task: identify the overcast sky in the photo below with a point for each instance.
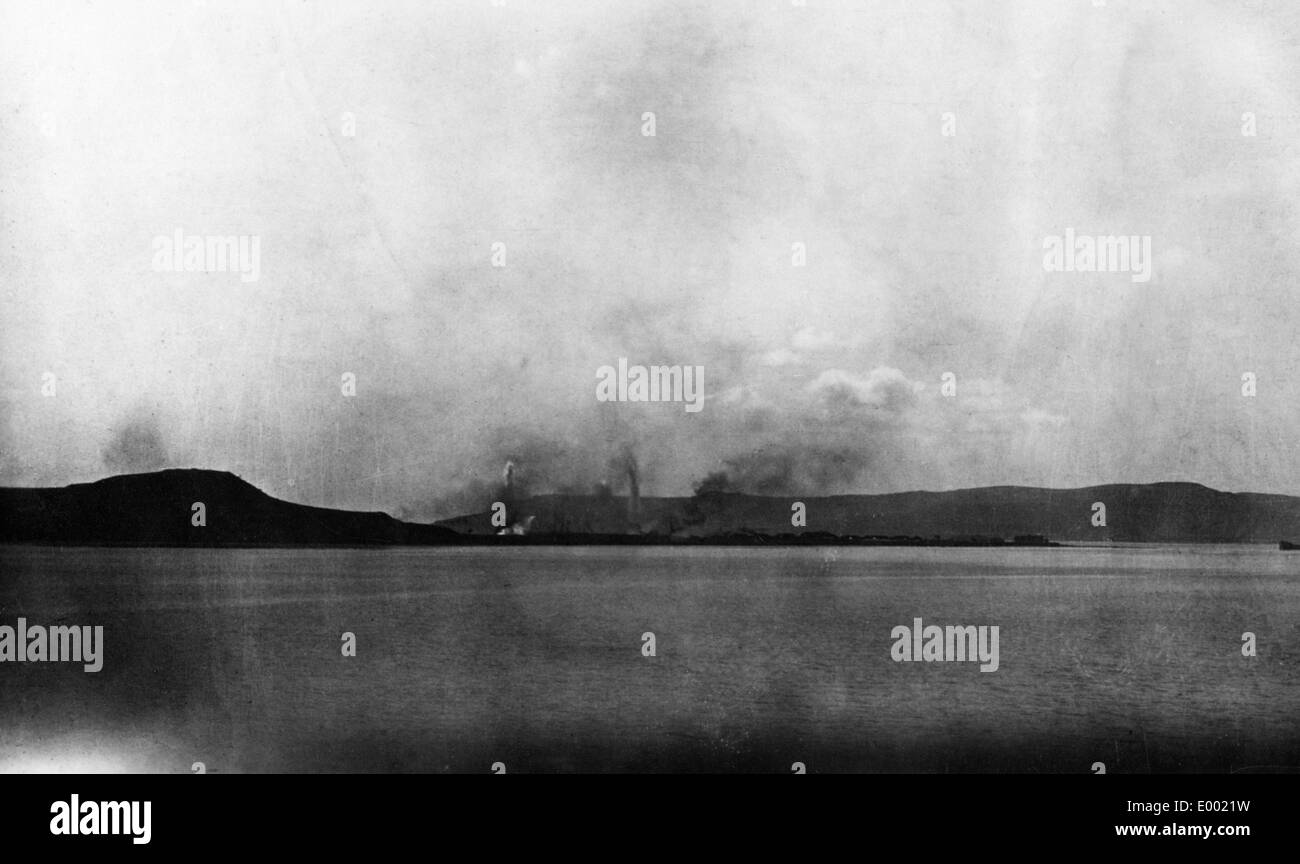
(775, 124)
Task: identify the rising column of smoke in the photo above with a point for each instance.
(624, 462)
(508, 494)
(634, 489)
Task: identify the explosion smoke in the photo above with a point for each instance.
(634, 491)
(137, 446)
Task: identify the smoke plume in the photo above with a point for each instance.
(137, 446)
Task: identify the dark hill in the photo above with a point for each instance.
(155, 510)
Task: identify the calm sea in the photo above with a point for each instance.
(533, 657)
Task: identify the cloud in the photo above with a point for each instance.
(812, 339)
(781, 357)
(883, 387)
(1037, 417)
(666, 249)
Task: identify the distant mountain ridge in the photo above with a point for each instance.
(156, 509)
(1150, 513)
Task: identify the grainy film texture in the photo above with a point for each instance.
(798, 386)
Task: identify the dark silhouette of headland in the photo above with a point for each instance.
(161, 509)
(158, 509)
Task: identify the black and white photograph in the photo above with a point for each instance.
(648, 387)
